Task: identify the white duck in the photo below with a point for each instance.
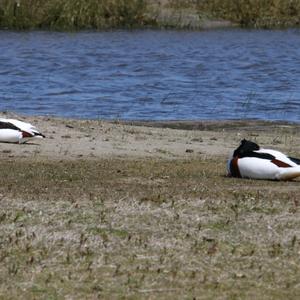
(251, 161)
(15, 131)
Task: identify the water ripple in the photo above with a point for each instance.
(152, 75)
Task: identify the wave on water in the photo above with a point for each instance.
(152, 75)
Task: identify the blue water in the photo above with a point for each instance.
(152, 75)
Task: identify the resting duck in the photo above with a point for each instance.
(251, 161)
(15, 131)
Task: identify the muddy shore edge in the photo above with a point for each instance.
(73, 138)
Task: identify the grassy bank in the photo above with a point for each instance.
(70, 14)
(116, 229)
(95, 14)
(254, 13)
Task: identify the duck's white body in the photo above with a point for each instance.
(15, 131)
(262, 164)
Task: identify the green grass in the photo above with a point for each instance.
(145, 229)
(72, 14)
(105, 14)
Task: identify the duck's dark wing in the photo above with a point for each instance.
(8, 125)
(269, 157)
(295, 160)
(257, 154)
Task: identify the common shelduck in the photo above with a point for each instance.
(15, 131)
(251, 161)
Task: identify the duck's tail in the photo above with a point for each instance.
(39, 135)
(289, 173)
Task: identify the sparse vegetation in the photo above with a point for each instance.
(254, 13)
(94, 14)
(116, 228)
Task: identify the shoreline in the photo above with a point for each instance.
(93, 139)
(108, 14)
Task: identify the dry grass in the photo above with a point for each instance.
(254, 13)
(117, 228)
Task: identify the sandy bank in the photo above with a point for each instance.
(169, 14)
(72, 139)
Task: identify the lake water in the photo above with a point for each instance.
(152, 75)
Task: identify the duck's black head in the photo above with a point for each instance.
(245, 147)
